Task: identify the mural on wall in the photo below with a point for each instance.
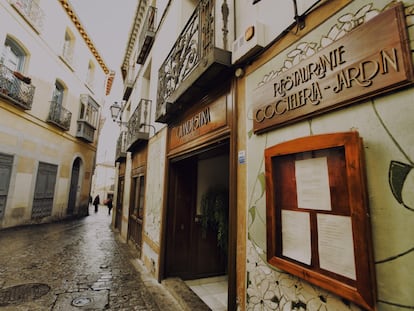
(269, 288)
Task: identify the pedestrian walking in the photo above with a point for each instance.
(96, 202)
(109, 204)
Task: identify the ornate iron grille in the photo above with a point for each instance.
(59, 115)
(138, 122)
(16, 87)
(31, 11)
(193, 44)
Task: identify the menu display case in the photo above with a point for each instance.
(317, 214)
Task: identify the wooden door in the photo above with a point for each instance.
(73, 186)
(136, 212)
(191, 251)
(180, 214)
(44, 190)
(6, 163)
(118, 206)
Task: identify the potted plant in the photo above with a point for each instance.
(215, 214)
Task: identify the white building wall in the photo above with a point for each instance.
(25, 134)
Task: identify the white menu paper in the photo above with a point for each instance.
(296, 238)
(336, 245)
(312, 184)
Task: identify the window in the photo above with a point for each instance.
(58, 94)
(58, 115)
(89, 110)
(13, 55)
(138, 199)
(31, 12)
(90, 76)
(68, 47)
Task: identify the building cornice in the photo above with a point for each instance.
(133, 34)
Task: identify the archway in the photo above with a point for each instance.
(74, 182)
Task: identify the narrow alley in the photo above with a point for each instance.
(74, 265)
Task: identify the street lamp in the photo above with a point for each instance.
(115, 111)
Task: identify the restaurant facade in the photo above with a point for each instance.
(272, 149)
(328, 113)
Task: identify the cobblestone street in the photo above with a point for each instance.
(74, 265)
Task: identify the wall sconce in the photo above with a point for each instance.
(239, 73)
(116, 113)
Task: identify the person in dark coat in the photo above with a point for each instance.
(96, 202)
(109, 204)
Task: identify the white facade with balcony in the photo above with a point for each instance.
(50, 111)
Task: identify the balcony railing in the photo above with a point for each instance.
(15, 87)
(129, 83)
(121, 146)
(59, 115)
(197, 61)
(138, 124)
(147, 36)
(31, 12)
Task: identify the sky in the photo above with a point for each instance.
(108, 23)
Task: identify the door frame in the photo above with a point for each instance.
(118, 203)
(232, 245)
(135, 221)
(74, 186)
(6, 161)
(226, 130)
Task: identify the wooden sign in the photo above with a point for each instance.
(207, 120)
(371, 59)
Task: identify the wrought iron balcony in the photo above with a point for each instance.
(147, 36)
(198, 61)
(121, 146)
(138, 124)
(129, 83)
(31, 12)
(16, 88)
(59, 115)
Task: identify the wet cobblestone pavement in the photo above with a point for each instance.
(74, 265)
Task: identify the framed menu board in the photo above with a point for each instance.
(317, 214)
